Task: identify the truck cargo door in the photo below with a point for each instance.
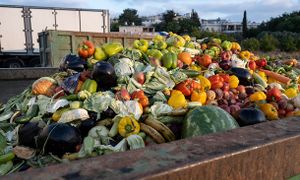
(92, 21)
(12, 36)
(41, 20)
(67, 20)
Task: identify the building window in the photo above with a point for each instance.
(231, 28)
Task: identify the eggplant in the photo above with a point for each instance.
(225, 65)
(60, 138)
(27, 134)
(108, 113)
(73, 62)
(104, 74)
(85, 126)
(243, 74)
(249, 116)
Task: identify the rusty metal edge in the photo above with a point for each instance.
(193, 156)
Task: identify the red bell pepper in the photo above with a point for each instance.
(86, 49)
(261, 62)
(216, 81)
(188, 86)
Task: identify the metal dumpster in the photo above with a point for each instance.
(263, 151)
(54, 45)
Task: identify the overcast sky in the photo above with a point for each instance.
(257, 10)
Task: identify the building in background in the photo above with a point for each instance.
(136, 29)
(225, 26)
(151, 20)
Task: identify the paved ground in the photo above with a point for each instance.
(10, 88)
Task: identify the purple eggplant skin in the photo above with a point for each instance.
(73, 62)
(249, 116)
(59, 138)
(104, 74)
(225, 65)
(243, 74)
(85, 126)
(109, 113)
(27, 134)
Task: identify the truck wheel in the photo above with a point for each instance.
(14, 64)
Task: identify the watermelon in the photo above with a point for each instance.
(205, 120)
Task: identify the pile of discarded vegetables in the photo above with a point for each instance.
(111, 99)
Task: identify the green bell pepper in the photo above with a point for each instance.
(141, 45)
(89, 85)
(155, 53)
(169, 60)
(99, 54)
(226, 45)
(210, 52)
(112, 48)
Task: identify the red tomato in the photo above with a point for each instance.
(274, 94)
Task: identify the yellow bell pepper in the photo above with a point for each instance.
(269, 110)
(245, 54)
(195, 67)
(291, 92)
(204, 82)
(296, 113)
(177, 100)
(235, 46)
(258, 96)
(199, 97)
(233, 82)
(262, 75)
(128, 125)
(187, 38)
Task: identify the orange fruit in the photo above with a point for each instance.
(185, 57)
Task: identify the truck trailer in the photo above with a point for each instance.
(20, 25)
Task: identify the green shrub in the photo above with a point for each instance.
(251, 44)
(268, 42)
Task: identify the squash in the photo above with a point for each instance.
(205, 120)
(44, 86)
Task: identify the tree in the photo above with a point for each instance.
(195, 18)
(169, 16)
(129, 16)
(244, 23)
(285, 22)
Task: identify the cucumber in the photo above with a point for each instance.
(259, 80)
(72, 97)
(190, 73)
